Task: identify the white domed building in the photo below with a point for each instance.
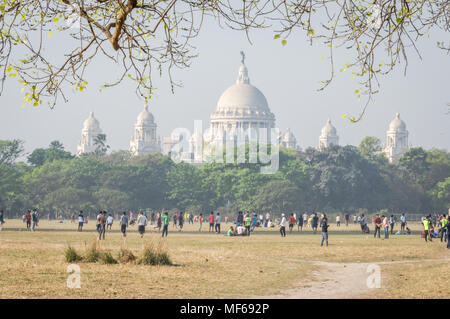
(241, 112)
(288, 140)
(91, 129)
(396, 139)
(328, 136)
(145, 141)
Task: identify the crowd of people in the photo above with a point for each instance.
(245, 223)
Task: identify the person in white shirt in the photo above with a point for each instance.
(338, 220)
(403, 222)
(80, 221)
(142, 222)
(217, 226)
(109, 221)
(283, 226)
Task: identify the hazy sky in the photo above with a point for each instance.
(288, 76)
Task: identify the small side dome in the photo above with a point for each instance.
(289, 136)
(91, 122)
(328, 129)
(397, 124)
(145, 117)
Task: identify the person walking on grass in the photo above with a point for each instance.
(403, 222)
(300, 223)
(217, 227)
(386, 226)
(200, 221)
(254, 221)
(123, 224)
(315, 222)
(34, 220)
(158, 221)
(181, 221)
(109, 222)
(102, 225)
(426, 226)
(247, 223)
(142, 222)
(291, 222)
(324, 225)
(2, 221)
(283, 226)
(80, 221)
(175, 218)
(377, 224)
(211, 222)
(166, 220)
(28, 219)
(338, 220)
(392, 223)
(444, 229)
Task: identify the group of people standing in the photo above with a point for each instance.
(436, 229)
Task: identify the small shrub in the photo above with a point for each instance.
(71, 254)
(107, 258)
(92, 253)
(126, 256)
(152, 256)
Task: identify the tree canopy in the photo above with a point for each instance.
(335, 179)
(144, 37)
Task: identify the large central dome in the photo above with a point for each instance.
(242, 105)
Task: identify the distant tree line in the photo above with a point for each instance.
(336, 179)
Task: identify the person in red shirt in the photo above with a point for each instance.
(200, 221)
(377, 222)
(291, 222)
(28, 219)
(211, 222)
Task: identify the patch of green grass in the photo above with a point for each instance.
(152, 255)
(92, 254)
(107, 258)
(71, 255)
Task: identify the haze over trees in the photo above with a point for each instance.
(336, 179)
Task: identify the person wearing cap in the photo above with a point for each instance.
(283, 226)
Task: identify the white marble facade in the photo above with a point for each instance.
(396, 140)
(91, 129)
(144, 140)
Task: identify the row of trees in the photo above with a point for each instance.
(336, 179)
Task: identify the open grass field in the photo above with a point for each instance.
(209, 265)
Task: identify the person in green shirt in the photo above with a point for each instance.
(426, 225)
(231, 231)
(34, 220)
(444, 221)
(166, 220)
(247, 223)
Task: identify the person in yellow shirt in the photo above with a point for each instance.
(426, 225)
(444, 221)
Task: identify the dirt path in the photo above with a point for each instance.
(336, 281)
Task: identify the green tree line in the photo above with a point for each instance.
(336, 179)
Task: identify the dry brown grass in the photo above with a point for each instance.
(414, 280)
(207, 265)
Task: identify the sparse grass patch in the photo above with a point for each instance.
(92, 254)
(126, 256)
(152, 255)
(107, 258)
(71, 255)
